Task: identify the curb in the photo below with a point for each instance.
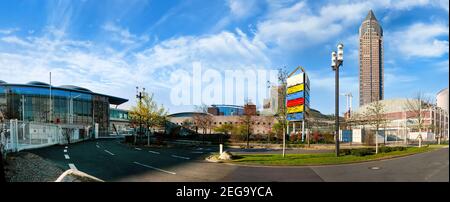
(77, 173)
(325, 165)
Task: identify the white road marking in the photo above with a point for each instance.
(97, 146)
(66, 156)
(138, 149)
(197, 152)
(155, 152)
(65, 150)
(72, 166)
(65, 147)
(436, 171)
(147, 166)
(181, 157)
(109, 152)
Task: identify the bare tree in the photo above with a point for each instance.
(375, 115)
(281, 115)
(415, 108)
(268, 127)
(67, 133)
(247, 121)
(203, 120)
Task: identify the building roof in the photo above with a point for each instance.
(112, 99)
(390, 105)
(370, 16)
(445, 90)
(229, 106)
(75, 88)
(185, 114)
(375, 25)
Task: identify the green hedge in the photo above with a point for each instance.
(370, 151)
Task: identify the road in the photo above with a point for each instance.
(111, 160)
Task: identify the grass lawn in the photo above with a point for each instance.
(324, 158)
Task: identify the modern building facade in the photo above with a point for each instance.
(226, 110)
(260, 125)
(275, 101)
(119, 121)
(403, 123)
(442, 99)
(371, 67)
(67, 105)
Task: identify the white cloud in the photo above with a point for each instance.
(442, 66)
(105, 69)
(296, 26)
(15, 40)
(290, 25)
(8, 31)
(123, 35)
(421, 40)
(241, 9)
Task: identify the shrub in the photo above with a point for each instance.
(292, 138)
(362, 152)
(345, 152)
(398, 148)
(385, 149)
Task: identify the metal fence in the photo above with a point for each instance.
(18, 135)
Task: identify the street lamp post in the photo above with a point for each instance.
(336, 61)
(139, 95)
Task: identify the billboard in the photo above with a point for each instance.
(297, 96)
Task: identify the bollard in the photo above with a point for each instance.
(220, 148)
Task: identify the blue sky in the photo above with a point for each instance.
(111, 46)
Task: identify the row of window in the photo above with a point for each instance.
(220, 123)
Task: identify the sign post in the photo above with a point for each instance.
(297, 98)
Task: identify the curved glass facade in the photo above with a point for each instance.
(65, 106)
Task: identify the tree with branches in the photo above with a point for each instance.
(224, 129)
(247, 121)
(148, 113)
(375, 115)
(281, 115)
(203, 120)
(415, 108)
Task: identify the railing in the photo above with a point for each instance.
(18, 135)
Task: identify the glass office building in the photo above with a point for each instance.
(70, 105)
(119, 121)
(226, 110)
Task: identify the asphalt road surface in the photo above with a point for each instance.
(111, 160)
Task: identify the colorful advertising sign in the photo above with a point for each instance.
(297, 96)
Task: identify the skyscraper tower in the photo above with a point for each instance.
(371, 68)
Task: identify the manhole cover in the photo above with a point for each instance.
(374, 168)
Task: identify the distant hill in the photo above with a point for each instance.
(314, 113)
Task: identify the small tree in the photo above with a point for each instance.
(277, 128)
(148, 114)
(203, 120)
(67, 133)
(247, 122)
(415, 108)
(376, 116)
(281, 116)
(224, 129)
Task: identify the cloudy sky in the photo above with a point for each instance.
(112, 46)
